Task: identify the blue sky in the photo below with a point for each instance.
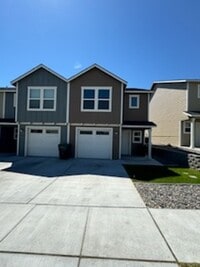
(139, 40)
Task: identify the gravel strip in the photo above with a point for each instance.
(173, 196)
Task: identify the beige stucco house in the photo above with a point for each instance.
(175, 108)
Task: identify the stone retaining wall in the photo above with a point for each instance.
(175, 156)
(194, 161)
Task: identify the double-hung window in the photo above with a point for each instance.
(41, 98)
(96, 99)
(134, 101)
(186, 127)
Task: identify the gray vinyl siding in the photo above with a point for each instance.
(193, 100)
(1, 104)
(63, 136)
(21, 140)
(42, 77)
(9, 107)
(139, 114)
(96, 78)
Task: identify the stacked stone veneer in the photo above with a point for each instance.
(194, 161)
(174, 156)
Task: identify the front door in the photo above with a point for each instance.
(137, 147)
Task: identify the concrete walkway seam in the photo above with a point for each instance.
(84, 233)
(86, 257)
(173, 254)
(28, 212)
(41, 191)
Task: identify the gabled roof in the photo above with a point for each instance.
(100, 68)
(37, 68)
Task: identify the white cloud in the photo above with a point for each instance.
(77, 65)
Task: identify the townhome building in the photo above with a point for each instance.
(175, 108)
(94, 111)
(8, 125)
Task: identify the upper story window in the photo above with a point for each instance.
(96, 99)
(134, 101)
(41, 98)
(198, 91)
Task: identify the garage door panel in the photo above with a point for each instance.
(94, 143)
(43, 142)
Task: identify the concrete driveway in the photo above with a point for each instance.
(85, 218)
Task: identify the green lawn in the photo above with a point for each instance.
(162, 174)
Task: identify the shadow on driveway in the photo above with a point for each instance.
(54, 167)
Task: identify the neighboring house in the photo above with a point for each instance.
(8, 126)
(93, 111)
(175, 108)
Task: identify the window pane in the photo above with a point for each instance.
(88, 104)
(102, 133)
(48, 93)
(36, 130)
(49, 104)
(134, 101)
(34, 104)
(104, 94)
(86, 132)
(51, 131)
(103, 104)
(34, 93)
(137, 139)
(89, 93)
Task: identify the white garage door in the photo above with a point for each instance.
(43, 141)
(94, 143)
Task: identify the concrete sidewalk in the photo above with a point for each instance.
(89, 220)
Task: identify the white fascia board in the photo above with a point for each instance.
(36, 68)
(100, 68)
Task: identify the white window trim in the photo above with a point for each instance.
(140, 136)
(96, 88)
(185, 126)
(138, 101)
(198, 91)
(42, 88)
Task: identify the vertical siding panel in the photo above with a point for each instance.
(9, 108)
(42, 77)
